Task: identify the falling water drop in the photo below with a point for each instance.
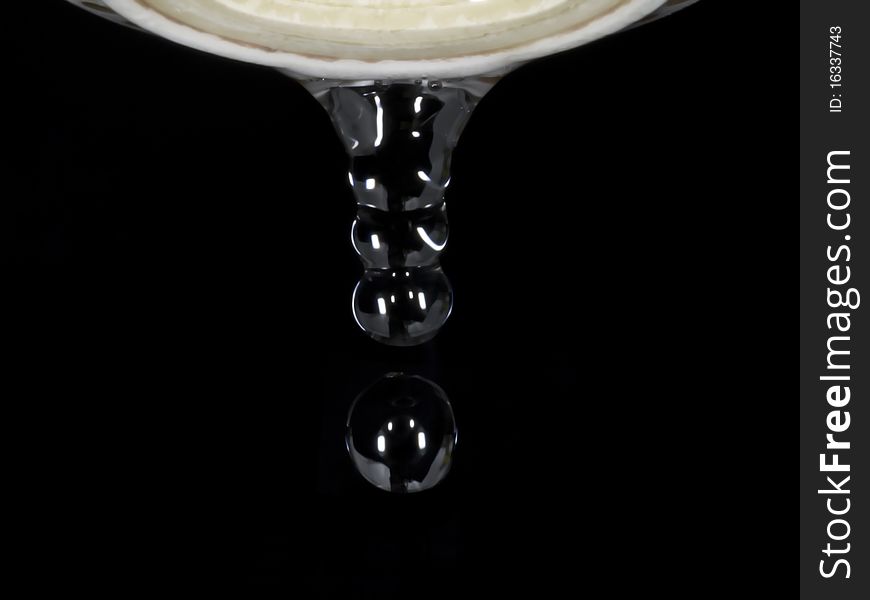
(401, 434)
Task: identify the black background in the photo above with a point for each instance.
(180, 223)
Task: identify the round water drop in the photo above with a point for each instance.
(401, 434)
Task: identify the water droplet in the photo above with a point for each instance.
(423, 302)
(401, 434)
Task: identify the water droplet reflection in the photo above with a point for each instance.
(401, 434)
